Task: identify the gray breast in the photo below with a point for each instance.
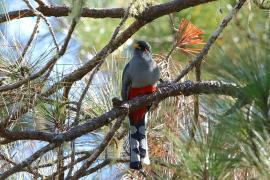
(143, 72)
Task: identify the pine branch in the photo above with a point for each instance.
(60, 11)
(210, 42)
(19, 167)
(187, 88)
(107, 139)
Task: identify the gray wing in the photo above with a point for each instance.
(126, 83)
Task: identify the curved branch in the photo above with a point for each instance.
(187, 88)
(47, 67)
(146, 17)
(26, 162)
(199, 58)
(107, 139)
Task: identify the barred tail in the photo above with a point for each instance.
(138, 143)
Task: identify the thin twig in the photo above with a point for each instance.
(49, 64)
(105, 163)
(117, 29)
(72, 159)
(195, 122)
(38, 13)
(82, 171)
(147, 16)
(79, 104)
(261, 5)
(71, 164)
(27, 162)
(28, 169)
(210, 42)
(32, 37)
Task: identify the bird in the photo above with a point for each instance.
(139, 77)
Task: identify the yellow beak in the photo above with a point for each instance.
(136, 46)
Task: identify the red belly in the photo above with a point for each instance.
(137, 115)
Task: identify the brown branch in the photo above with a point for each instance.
(195, 122)
(146, 17)
(105, 163)
(187, 88)
(46, 67)
(27, 162)
(28, 169)
(210, 42)
(37, 13)
(71, 164)
(33, 35)
(40, 3)
(84, 153)
(59, 11)
(107, 139)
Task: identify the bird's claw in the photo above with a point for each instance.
(116, 102)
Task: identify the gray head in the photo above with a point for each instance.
(141, 47)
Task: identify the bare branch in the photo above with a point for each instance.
(59, 11)
(33, 35)
(105, 163)
(27, 162)
(79, 104)
(187, 88)
(262, 4)
(147, 16)
(46, 67)
(210, 42)
(117, 29)
(71, 164)
(107, 139)
(37, 13)
(28, 169)
(41, 3)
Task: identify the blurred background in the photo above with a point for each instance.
(235, 146)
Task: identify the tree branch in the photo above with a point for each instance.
(37, 13)
(146, 17)
(40, 3)
(187, 88)
(210, 42)
(49, 64)
(107, 139)
(59, 11)
(33, 35)
(27, 161)
(105, 163)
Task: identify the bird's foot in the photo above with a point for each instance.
(135, 165)
(116, 102)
